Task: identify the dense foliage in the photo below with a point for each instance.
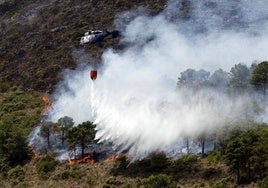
(81, 135)
(247, 155)
(19, 113)
(159, 181)
(45, 165)
(260, 77)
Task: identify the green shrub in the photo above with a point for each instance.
(263, 183)
(188, 159)
(63, 176)
(215, 156)
(13, 142)
(76, 172)
(91, 180)
(198, 185)
(111, 182)
(159, 181)
(155, 163)
(13, 34)
(186, 163)
(73, 172)
(45, 165)
(4, 86)
(16, 174)
(139, 182)
(221, 183)
(11, 107)
(210, 172)
(4, 165)
(126, 186)
(158, 162)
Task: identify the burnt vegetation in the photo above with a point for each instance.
(37, 40)
(37, 37)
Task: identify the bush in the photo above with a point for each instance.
(45, 165)
(263, 183)
(188, 159)
(76, 173)
(16, 174)
(4, 86)
(14, 147)
(155, 163)
(11, 107)
(215, 156)
(4, 165)
(91, 180)
(112, 182)
(63, 176)
(221, 183)
(186, 163)
(127, 186)
(73, 172)
(158, 162)
(159, 181)
(210, 172)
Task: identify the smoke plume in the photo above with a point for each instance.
(135, 101)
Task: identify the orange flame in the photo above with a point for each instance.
(86, 159)
(48, 104)
(35, 156)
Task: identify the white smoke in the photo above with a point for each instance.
(134, 101)
(73, 93)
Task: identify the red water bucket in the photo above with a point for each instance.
(93, 74)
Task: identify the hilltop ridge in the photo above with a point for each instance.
(37, 37)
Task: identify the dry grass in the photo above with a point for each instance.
(95, 176)
(84, 175)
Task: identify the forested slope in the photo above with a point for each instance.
(37, 42)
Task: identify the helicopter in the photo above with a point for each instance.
(97, 36)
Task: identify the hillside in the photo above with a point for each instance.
(103, 174)
(211, 125)
(38, 37)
